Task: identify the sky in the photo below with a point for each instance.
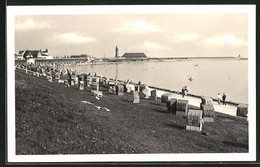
(156, 35)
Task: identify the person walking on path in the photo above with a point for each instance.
(224, 99)
(219, 98)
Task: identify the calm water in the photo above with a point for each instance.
(210, 77)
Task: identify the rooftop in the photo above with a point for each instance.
(134, 55)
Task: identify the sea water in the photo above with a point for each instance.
(210, 77)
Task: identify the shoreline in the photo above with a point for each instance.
(152, 59)
(194, 100)
(167, 90)
(54, 119)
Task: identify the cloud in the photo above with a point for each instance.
(30, 24)
(224, 39)
(139, 27)
(184, 37)
(152, 45)
(73, 38)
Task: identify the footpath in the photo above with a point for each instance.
(225, 109)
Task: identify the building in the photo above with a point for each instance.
(135, 56)
(19, 56)
(30, 61)
(45, 54)
(37, 54)
(82, 56)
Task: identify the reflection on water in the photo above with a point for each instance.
(208, 77)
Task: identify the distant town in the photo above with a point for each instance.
(41, 55)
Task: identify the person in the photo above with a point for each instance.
(219, 98)
(186, 91)
(70, 80)
(224, 98)
(183, 92)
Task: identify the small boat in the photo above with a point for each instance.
(196, 65)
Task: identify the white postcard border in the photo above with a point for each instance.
(12, 11)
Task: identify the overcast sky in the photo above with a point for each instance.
(157, 35)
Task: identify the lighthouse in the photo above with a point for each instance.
(116, 51)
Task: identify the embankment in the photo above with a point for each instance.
(51, 119)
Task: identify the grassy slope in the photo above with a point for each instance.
(51, 119)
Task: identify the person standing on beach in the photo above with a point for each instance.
(219, 97)
(224, 98)
(183, 92)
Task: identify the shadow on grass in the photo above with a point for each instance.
(176, 126)
(157, 104)
(227, 120)
(144, 99)
(226, 117)
(101, 88)
(234, 144)
(128, 101)
(194, 107)
(161, 111)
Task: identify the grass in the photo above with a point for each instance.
(51, 119)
